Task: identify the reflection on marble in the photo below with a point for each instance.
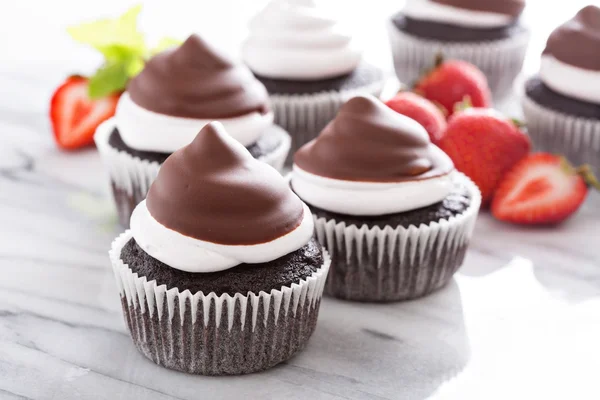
(520, 321)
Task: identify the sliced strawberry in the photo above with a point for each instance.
(541, 189)
(75, 116)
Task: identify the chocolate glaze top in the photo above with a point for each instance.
(514, 8)
(369, 142)
(577, 41)
(196, 80)
(215, 191)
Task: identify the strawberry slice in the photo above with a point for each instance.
(75, 116)
(541, 189)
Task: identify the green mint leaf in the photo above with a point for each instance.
(134, 66)
(164, 44)
(109, 79)
(116, 39)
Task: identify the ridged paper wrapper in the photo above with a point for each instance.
(217, 335)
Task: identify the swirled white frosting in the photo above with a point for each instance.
(426, 10)
(369, 198)
(147, 130)
(296, 40)
(569, 80)
(193, 255)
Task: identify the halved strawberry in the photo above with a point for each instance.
(75, 116)
(541, 189)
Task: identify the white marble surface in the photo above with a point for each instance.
(520, 321)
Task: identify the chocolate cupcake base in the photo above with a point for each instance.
(393, 263)
(217, 335)
(577, 138)
(500, 60)
(131, 173)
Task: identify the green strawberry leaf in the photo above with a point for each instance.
(109, 79)
(116, 38)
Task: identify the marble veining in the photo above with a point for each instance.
(521, 320)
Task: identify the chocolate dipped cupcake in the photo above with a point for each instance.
(309, 63)
(176, 94)
(388, 204)
(220, 273)
(488, 34)
(562, 103)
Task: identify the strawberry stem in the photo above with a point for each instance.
(518, 123)
(585, 171)
(464, 104)
(439, 60)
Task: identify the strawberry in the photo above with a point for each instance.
(484, 145)
(542, 189)
(80, 104)
(421, 110)
(75, 116)
(452, 82)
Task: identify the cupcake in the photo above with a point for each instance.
(176, 94)
(309, 63)
(488, 34)
(562, 103)
(219, 274)
(388, 204)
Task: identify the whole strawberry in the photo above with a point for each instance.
(484, 145)
(452, 82)
(421, 110)
(542, 189)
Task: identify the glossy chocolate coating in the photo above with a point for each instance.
(213, 190)
(369, 142)
(577, 41)
(196, 80)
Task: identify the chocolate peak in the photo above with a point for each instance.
(367, 141)
(577, 41)
(197, 51)
(514, 8)
(196, 80)
(214, 190)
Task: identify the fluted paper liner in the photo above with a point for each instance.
(500, 60)
(396, 263)
(305, 115)
(217, 335)
(576, 138)
(131, 177)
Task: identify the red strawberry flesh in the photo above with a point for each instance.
(75, 116)
(540, 189)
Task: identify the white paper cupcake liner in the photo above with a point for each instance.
(131, 177)
(217, 335)
(576, 138)
(304, 116)
(501, 60)
(396, 263)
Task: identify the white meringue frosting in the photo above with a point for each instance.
(297, 40)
